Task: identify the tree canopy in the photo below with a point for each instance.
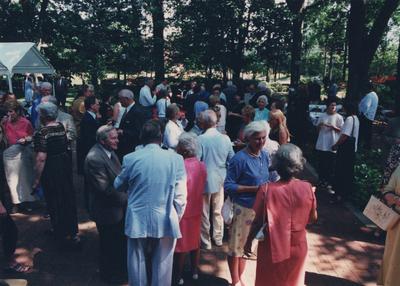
(334, 38)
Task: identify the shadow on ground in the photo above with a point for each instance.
(315, 279)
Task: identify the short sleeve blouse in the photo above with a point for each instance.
(51, 140)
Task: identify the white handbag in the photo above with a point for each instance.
(227, 211)
(380, 214)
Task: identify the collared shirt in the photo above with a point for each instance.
(92, 114)
(108, 152)
(215, 151)
(247, 170)
(146, 98)
(368, 105)
(156, 184)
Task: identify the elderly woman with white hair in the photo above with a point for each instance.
(262, 112)
(247, 171)
(282, 211)
(54, 173)
(196, 175)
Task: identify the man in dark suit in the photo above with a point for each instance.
(89, 126)
(131, 123)
(107, 205)
(61, 90)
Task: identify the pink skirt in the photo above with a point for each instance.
(190, 229)
(290, 272)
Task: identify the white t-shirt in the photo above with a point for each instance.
(327, 137)
(347, 128)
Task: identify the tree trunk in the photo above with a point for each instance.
(330, 68)
(397, 98)
(158, 38)
(363, 46)
(344, 68)
(357, 34)
(325, 61)
(42, 18)
(224, 73)
(296, 49)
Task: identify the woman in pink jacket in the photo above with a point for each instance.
(283, 210)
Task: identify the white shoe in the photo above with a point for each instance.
(181, 281)
(195, 276)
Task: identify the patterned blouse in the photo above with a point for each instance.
(51, 140)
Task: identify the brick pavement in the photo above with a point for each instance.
(341, 252)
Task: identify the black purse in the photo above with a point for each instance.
(348, 146)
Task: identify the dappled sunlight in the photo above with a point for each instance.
(348, 259)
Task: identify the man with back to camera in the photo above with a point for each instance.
(367, 109)
(156, 183)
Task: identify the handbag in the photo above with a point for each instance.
(227, 211)
(380, 214)
(348, 146)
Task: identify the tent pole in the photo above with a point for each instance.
(9, 76)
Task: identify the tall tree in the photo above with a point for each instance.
(364, 41)
(297, 9)
(157, 14)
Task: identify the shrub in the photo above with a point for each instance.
(367, 176)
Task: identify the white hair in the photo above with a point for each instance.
(188, 142)
(126, 93)
(103, 132)
(46, 84)
(262, 86)
(254, 127)
(264, 98)
(288, 160)
(48, 110)
(267, 128)
(229, 83)
(209, 118)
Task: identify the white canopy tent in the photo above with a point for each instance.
(22, 58)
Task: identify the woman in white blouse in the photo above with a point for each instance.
(173, 128)
(346, 147)
(329, 125)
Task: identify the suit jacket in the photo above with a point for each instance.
(131, 125)
(106, 205)
(87, 138)
(61, 89)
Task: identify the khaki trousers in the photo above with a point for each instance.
(215, 200)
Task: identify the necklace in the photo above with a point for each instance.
(256, 156)
(251, 153)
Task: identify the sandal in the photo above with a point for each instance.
(18, 268)
(249, 256)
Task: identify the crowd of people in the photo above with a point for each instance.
(159, 169)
